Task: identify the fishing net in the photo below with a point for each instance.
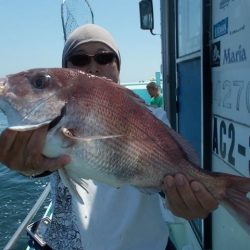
(75, 13)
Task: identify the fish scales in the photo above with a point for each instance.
(130, 131)
(136, 131)
(108, 116)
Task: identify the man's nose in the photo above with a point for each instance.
(93, 67)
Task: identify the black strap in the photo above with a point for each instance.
(162, 194)
(46, 173)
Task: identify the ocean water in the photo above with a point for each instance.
(18, 194)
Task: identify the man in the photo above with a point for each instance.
(109, 218)
(156, 97)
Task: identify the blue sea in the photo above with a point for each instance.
(18, 194)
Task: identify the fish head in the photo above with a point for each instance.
(33, 97)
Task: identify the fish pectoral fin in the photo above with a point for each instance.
(29, 127)
(82, 183)
(67, 133)
(72, 184)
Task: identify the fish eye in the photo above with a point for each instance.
(41, 81)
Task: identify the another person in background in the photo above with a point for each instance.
(110, 218)
(156, 97)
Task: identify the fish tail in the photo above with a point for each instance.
(236, 198)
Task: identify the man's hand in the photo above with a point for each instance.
(188, 200)
(22, 152)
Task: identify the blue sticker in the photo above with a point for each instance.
(221, 28)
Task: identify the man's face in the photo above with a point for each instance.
(109, 70)
(152, 92)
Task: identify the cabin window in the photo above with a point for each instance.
(189, 26)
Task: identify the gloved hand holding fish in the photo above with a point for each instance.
(110, 135)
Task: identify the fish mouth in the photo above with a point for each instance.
(55, 121)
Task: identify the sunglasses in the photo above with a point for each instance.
(101, 58)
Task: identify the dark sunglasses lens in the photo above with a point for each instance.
(104, 58)
(80, 60)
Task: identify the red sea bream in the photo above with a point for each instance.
(109, 133)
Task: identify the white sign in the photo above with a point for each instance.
(231, 83)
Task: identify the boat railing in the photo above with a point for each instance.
(12, 242)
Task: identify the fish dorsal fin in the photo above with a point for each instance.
(131, 94)
(67, 133)
(187, 148)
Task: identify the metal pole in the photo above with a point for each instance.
(91, 11)
(28, 218)
(63, 22)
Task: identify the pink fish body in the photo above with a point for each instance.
(109, 133)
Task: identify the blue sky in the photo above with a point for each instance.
(32, 36)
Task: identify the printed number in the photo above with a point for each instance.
(228, 87)
(248, 97)
(239, 84)
(217, 93)
(224, 92)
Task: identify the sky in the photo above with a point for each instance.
(31, 36)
